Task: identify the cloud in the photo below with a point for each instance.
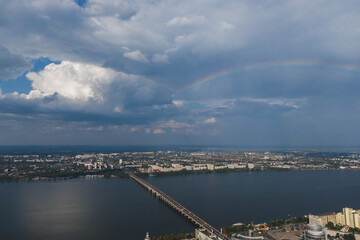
(226, 26)
(75, 81)
(253, 108)
(197, 127)
(174, 124)
(99, 128)
(82, 92)
(11, 65)
(210, 120)
(133, 129)
(102, 78)
(186, 20)
(178, 103)
(102, 29)
(136, 56)
(158, 131)
(81, 83)
(120, 9)
(160, 58)
(117, 109)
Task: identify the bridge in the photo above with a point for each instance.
(181, 209)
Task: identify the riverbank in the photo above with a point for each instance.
(113, 173)
(194, 172)
(118, 173)
(296, 223)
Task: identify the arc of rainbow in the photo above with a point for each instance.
(265, 65)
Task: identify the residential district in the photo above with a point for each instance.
(69, 165)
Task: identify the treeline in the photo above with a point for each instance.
(229, 230)
(236, 229)
(53, 174)
(350, 236)
(109, 173)
(191, 172)
(282, 222)
(332, 226)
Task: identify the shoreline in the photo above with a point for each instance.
(122, 174)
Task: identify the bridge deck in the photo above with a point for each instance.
(180, 208)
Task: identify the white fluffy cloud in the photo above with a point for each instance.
(78, 85)
(74, 81)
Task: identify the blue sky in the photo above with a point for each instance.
(21, 84)
(240, 73)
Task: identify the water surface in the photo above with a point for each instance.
(122, 209)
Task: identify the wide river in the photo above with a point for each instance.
(122, 209)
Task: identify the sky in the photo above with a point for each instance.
(180, 72)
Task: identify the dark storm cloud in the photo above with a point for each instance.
(10, 107)
(11, 65)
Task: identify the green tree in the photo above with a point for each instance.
(349, 237)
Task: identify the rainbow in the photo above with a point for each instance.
(269, 65)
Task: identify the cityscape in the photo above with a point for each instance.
(137, 165)
(179, 120)
(45, 166)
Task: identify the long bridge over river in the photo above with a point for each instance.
(181, 209)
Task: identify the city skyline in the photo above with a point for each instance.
(239, 73)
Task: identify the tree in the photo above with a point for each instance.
(349, 237)
(330, 225)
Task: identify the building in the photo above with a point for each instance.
(211, 167)
(197, 167)
(251, 165)
(189, 168)
(315, 232)
(202, 234)
(147, 237)
(348, 217)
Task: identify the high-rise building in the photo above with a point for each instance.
(348, 217)
(356, 216)
(347, 212)
(147, 237)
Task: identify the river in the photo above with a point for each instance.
(95, 209)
